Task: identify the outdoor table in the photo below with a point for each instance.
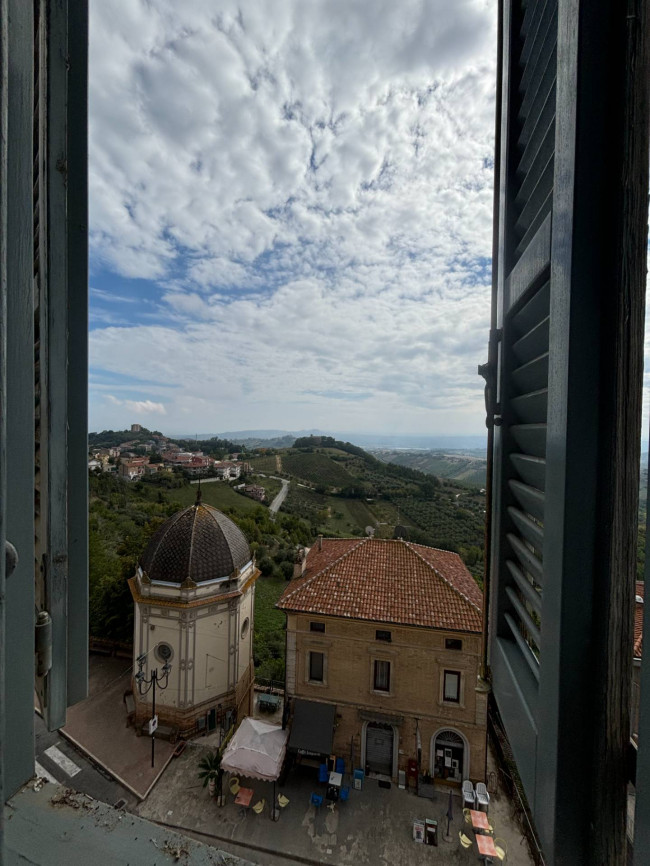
(479, 820)
(486, 847)
(269, 702)
(244, 797)
(334, 785)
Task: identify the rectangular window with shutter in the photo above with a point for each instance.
(316, 666)
(451, 688)
(382, 675)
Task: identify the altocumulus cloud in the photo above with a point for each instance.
(138, 407)
(306, 189)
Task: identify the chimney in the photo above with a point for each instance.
(300, 562)
(320, 542)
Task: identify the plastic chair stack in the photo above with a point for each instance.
(323, 775)
(316, 800)
(258, 808)
(482, 797)
(469, 797)
(344, 794)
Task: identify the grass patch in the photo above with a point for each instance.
(218, 494)
(269, 635)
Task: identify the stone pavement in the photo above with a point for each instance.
(374, 827)
(97, 726)
(48, 825)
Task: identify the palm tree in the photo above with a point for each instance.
(210, 771)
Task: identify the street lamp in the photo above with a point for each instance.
(144, 685)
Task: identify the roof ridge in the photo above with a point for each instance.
(327, 567)
(440, 575)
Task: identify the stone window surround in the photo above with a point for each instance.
(460, 703)
(383, 654)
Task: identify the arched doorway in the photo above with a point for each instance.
(449, 755)
(380, 739)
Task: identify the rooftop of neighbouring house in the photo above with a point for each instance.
(638, 620)
(391, 581)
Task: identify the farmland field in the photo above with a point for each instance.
(317, 469)
(267, 464)
(218, 494)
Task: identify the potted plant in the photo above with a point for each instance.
(211, 773)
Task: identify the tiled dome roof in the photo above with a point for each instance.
(197, 544)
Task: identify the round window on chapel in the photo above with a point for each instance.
(244, 627)
(164, 652)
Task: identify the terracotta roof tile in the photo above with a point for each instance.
(638, 621)
(387, 581)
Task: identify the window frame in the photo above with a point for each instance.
(459, 678)
(310, 676)
(377, 688)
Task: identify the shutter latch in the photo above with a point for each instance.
(489, 373)
(43, 643)
(11, 558)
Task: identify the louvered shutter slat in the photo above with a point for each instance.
(531, 438)
(533, 375)
(530, 499)
(532, 594)
(531, 469)
(526, 651)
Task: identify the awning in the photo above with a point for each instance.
(256, 750)
(312, 729)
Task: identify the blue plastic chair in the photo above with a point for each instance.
(340, 765)
(316, 800)
(323, 775)
(344, 794)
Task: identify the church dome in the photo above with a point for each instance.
(197, 544)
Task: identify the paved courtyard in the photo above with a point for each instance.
(98, 727)
(374, 827)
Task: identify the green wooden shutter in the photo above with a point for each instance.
(43, 390)
(569, 384)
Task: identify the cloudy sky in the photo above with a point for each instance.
(290, 213)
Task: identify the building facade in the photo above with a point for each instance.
(390, 633)
(194, 597)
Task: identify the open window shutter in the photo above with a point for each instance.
(569, 379)
(43, 470)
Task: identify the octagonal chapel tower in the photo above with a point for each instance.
(194, 593)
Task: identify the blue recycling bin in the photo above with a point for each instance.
(358, 779)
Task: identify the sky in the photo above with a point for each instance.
(290, 214)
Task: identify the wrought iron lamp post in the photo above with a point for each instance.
(145, 684)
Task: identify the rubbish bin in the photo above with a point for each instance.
(358, 779)
(431, 832)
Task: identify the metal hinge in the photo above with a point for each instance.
(43, 643)
(489, 373)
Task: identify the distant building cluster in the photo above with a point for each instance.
(123, 460)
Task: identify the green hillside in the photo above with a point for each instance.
(466, 468)
(318, 469)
